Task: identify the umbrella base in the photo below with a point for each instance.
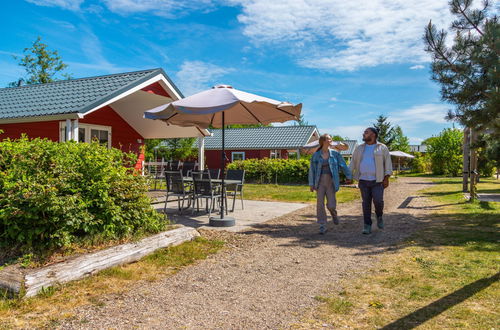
(224, 222)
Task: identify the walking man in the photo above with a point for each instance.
(371, 165)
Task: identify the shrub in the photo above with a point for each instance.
(445, 151)
(421, 163)
(273, 170)
(55, 194)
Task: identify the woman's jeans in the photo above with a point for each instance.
(371, 191)
(325, 189)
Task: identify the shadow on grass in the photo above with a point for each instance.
(426, 313)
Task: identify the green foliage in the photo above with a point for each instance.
(53, 195)
(273, 170)
(171, 149)
(421, 163)
(302, 121)
(385, 131)
(401, 141)
(445, 151)
(338, 138)
(42, 65)
(468, 70)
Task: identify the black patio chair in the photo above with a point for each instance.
(235, 189)
(178, 188)
(187, 168)
(214, 173)
(205, 188)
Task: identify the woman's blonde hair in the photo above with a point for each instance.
(322, 140)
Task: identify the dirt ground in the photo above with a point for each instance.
(268, 276)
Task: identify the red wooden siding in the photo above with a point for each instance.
(212, 157)
(43, 129)
(123, 136)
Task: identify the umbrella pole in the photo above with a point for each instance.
(222, 221)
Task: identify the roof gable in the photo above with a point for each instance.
(272, 137)
(69, 96)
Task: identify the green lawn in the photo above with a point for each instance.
(292, 193)
(445, 276)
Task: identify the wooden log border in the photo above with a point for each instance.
(27, 283)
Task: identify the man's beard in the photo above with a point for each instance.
(366, 139)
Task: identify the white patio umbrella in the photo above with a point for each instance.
(223, 105)
(311, 147)
(399, 155)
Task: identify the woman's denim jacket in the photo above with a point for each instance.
(336, 161)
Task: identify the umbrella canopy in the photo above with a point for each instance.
(205, 109)
(401, 154)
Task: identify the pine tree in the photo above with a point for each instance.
(468, 71)
(385, 131)
(401, 141)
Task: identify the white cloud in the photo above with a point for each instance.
(343, 35)
(353, 132)
(196, 76)
(66, 4)
(417, 67)
(419, 114)
(165, 8)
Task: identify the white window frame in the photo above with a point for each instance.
(88, 128)
(275, 154)
(242, 153)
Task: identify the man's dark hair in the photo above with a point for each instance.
(374, 130)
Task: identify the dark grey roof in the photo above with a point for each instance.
(273, 137)
(352, 145)
(69, 96)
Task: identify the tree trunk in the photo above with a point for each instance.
(473, 165)
(466, 156)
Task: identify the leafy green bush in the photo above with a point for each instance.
(55, 194)
(445, 151)
(273, 170)
(421, 163)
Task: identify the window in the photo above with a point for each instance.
(87, 132)
(293, 154)
(237, 156)
(275, 154)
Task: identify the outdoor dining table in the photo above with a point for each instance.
(227, 182)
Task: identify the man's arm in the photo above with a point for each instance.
(387, 167)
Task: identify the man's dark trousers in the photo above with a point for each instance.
(371, 191)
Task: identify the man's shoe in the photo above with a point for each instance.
(322, 229)
(380, 222)
(335, 217)
(367, 230)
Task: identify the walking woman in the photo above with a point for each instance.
(324, 179)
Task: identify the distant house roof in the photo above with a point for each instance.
(272, 137)
(70, 96)
(352, 144)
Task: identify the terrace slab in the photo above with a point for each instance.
(254, 213)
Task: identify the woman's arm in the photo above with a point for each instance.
(312, 172)
(345, 169)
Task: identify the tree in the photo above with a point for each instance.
(42, 65)
(401, 141)
(468, 71)
(171, 149)
(445, 151)
(385, 131)
(338, 138)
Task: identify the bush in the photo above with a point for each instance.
(445, 151)
(421, 163)
(55, 194)
(273, 170)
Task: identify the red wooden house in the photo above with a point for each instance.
(108, 108)
(258, 142)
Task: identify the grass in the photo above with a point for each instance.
(56, 303)
(293, 193)
(445, 276)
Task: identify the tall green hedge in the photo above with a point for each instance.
(55, 194)
(273, 170)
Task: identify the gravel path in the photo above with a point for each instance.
(268, 276)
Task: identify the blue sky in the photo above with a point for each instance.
(346, 61)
